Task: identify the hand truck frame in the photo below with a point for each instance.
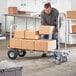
(61, 55)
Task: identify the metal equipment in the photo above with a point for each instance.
(59, 55)
(8, 68)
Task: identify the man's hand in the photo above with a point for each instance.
(54, 30)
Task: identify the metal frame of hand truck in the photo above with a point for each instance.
(61, 55)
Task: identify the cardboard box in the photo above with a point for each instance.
(28, 44)
(21, 12)
(74, 29)
(20, 34)
(45, 45)
(12, 10)
(46, 29)
(71, 14)
(16, 43)
(32, 34)
(38, 45)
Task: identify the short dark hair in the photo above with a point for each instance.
(47, 5)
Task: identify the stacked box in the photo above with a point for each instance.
(39, 45)
(32, 34)
(71, 14)
(21, 12)
(45, 45)
(46, 29)
(19, 34)
(28, 44)
(12, 10)
(74, 29)
(16, 43)
(31, 39)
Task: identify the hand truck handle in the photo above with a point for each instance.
(12, 28)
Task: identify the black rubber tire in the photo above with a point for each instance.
(44, 55)
(22, 53)
(13, 55)
(57, 62)
(64, 59)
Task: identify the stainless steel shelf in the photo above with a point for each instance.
(2, 38)
(21, 16)
(26, 16)
(71, 19)
(72, 34)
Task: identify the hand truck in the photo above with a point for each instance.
(61, 55)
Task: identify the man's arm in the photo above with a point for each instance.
(56, 19)
(56, 22)
(43, 21)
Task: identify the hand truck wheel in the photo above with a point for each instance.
(58, 61)
(21, 53)
(44, 55)
(64, 59)
(12, 54)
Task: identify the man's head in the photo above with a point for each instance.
(47, 8)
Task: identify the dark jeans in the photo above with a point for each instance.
(54, 36)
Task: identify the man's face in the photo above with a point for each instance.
(48, 10)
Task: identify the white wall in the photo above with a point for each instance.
(37, 5)
(3, 10)
(73, 4)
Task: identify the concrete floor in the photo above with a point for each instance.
(35, 65)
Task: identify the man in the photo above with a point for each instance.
(49, 16)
